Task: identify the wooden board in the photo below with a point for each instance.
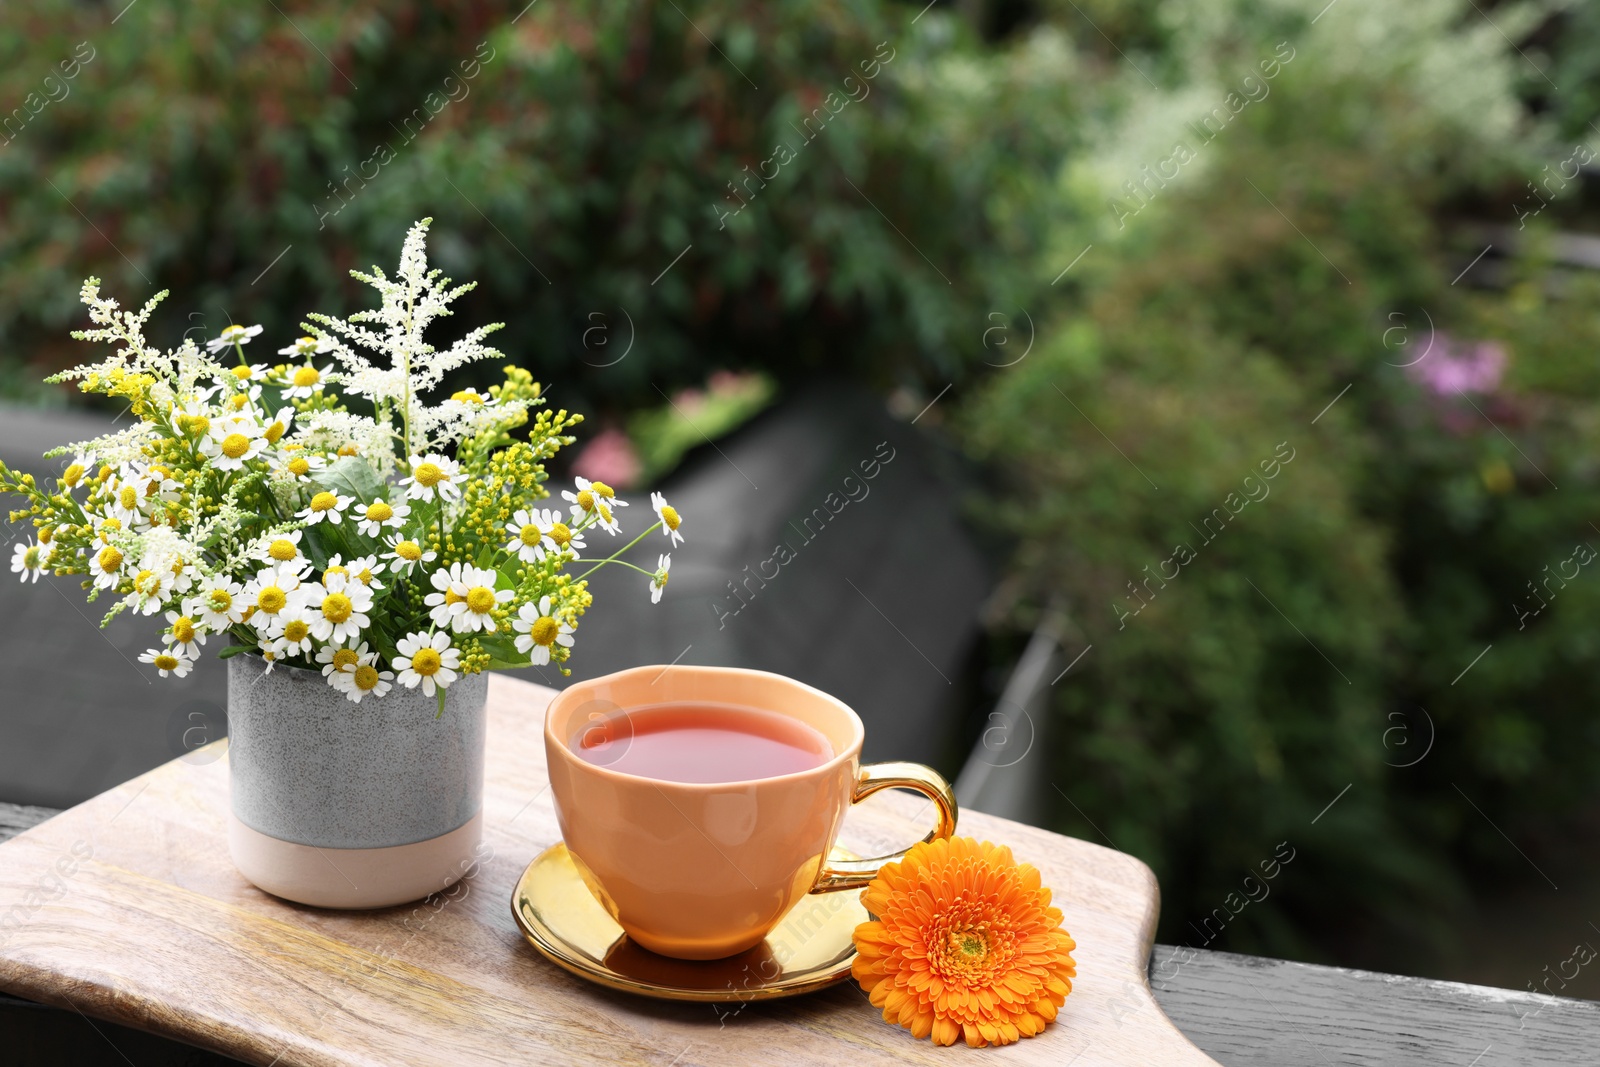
(127, 908)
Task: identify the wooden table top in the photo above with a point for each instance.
(127, 908)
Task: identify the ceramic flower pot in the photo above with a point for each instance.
(345, 805)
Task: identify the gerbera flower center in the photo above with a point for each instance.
(366, 677)
(544, 630)
(408, 550)
(428, 475)
(426, 661)
(183, 630)
(110, 559)
(235, 445)
(296, 630)
(336, 608)
(272, 600)
(220, 600)
(669, 515)
(378, 511)
(299, 466)
(282, 550)
(165, 662)
(304, 376)
(345, 657)
(324, 502)
(561, 534)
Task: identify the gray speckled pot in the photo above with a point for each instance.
(313, 772)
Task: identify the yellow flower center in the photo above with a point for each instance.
(428, 475)
(304, 376)
(971, 945)
(299, 466)
(378, 511)
(530, 535)
(560, 534)
(104, 473)
(602, 489)
(274, 432)
(345, 657)
(165, 662)
(220, 600)
(544, 630)
(585, 500)
(128, 498)
(347, 450)
(296, 630)
(336, 608)
(72, 475)
(324, 502)
(241, 372)
(235, 445)
(30, 558)
(196, 424)
(365, 577)
(408, 550)
(146, 582)
(366, 677)
(480, 599)
(669, 515)
(238, 401)
(426, 661)
(336, 569)
(183, 629)
(283, 550)
(467, 396)
(271, 600)
(110, 559)
(452, 597)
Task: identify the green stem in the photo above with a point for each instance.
(613, 557)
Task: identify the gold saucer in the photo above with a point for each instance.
(810, 949)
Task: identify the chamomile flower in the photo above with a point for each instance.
(291, 630)
(325, 506)
(380, 513)
(281, 548)
(432, 475)
(530, 534)
(167, 662)
(150, 590)
(426, 660)
(668, 515)
(336, 659)
(27, 560)
(304, 382)
(185, 634)
(106, 565)
(248, 372)
(537, 630)
(126, 503)
(466, 598)
(269, 593)
(595, 503)
(403, 555)
(366, 678)
(282, 419)
(363, 569)
(233, 442)
(297, 464)
(337, 608)
(308, 346)
(658, 583)
(232, 335)
(219, 604)
(270, 653)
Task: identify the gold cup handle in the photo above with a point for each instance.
(855, 874)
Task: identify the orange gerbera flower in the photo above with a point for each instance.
(965, 945)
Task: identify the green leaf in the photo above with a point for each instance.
(233, 650)
(352, 476)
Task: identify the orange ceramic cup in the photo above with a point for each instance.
(703, 871)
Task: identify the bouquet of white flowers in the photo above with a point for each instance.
(319, 512)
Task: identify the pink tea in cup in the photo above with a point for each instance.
(701, 743)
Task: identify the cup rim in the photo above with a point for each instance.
(851, 751)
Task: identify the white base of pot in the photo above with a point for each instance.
(353, 877)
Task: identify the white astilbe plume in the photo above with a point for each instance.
(330, 430)
(410, 301)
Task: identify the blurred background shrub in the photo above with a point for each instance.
(1294, 289)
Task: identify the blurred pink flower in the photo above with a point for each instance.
(608, 457)
(1451, 367)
